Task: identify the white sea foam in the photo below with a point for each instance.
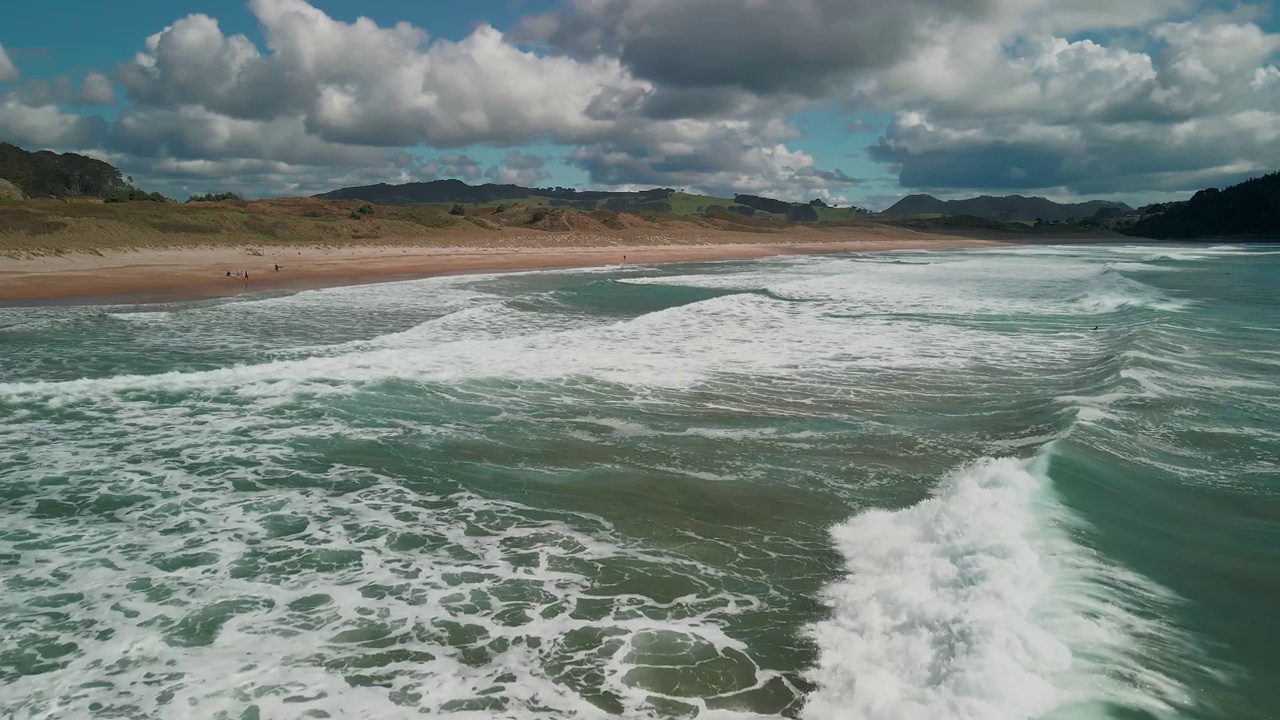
(1138, 267)
(1181, 253)
(977, 604)
(1087, 414)
(292, 601)
(676, 347)
(1110, 291)
(1033, 281)
(157, 316)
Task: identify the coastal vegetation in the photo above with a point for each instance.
(1248, 211)
(52, 202)
(217, 197)
(50, 174)
(78, 204)
(45, 174)
(656, 200)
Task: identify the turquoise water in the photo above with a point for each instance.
(900, 486)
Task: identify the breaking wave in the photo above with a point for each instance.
(979, 603)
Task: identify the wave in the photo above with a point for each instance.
(1137, 267)
(979, 283)
(1185, 253)
(146, 316)
(1110, 291)
(979, 604)
(678, 347)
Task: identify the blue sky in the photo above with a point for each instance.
(850, 100)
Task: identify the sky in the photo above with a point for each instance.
(851, 101)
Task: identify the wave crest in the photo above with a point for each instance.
(978, 604)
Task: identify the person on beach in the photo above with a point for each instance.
(277, 267)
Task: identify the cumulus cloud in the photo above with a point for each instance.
(8, 71)
(95, 89)
(364, 84)
(1088, 117)
(201, 92)
(191, 132)
(519, 169)
(761, 47)
(457, 165)
(1084, 96)
(806, 47)
(180, 178)
(47, 126)
(986, 93)
(715, 159)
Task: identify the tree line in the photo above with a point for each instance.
(1248, 210)
(49, 174)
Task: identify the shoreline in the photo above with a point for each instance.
(154, 275)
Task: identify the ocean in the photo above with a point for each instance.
(1022, 482)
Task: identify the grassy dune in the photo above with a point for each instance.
(50, 227)
(38, 227)
(54, 227)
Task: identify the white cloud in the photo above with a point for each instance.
(97, 89)
(457, 165)
(335, 84)
(364, 84)
(519, 169)
(8, 71)
(1082, 115)
(985, 94)
(179, 178)
(808, 47)
(193, 132)
(47, 126)
(715, 158)
(94, 89)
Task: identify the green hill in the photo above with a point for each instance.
(1248, 211)
(1012, 208)
(660, 200)
(446, 192)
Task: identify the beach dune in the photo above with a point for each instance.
(172, 273)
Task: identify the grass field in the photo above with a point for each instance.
(681, 203)
(40, 226)
(50, 227)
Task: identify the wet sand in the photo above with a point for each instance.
(156, 275)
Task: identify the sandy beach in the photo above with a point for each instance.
(165, 274)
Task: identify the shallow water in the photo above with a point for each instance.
(907, 485)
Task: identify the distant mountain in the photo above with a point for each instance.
(438, 192)
(1250, 210)
(1011, 208)
(44, 173)
(444, 192)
